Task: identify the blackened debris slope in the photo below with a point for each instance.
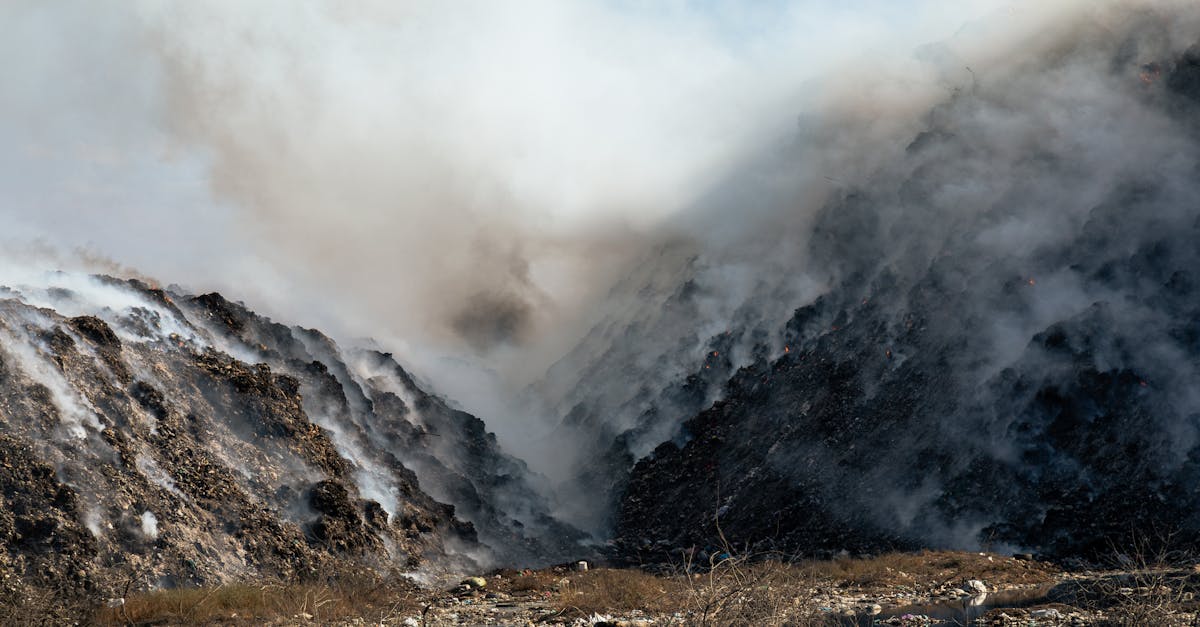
(1018, 372)
(397, 431)
(167, 440)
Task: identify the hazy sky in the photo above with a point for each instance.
(469, 175)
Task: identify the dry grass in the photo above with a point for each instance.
(518, 582)
(607, 590)
(748, 591)
(254, 604)
(733, 592)
(30, 607)
(738, 590)
(929, 569)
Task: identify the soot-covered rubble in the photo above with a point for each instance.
(151, 438)
(947, 391)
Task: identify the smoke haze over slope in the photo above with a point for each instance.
(494, 168)
(470, 180)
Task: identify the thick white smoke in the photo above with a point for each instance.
(470, 179)
(456, 174)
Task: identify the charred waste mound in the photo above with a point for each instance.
(1004, 351)
(166, 439)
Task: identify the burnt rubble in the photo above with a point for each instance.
(945, 393)
(189, 441)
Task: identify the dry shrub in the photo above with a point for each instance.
(1146, 598)
(1158, 587)
(743, 590)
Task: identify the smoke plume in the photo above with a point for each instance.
(579, 195)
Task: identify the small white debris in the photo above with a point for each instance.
(581, 566)
(976, 586)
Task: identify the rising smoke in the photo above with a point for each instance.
(509, 184)
(471, 171)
